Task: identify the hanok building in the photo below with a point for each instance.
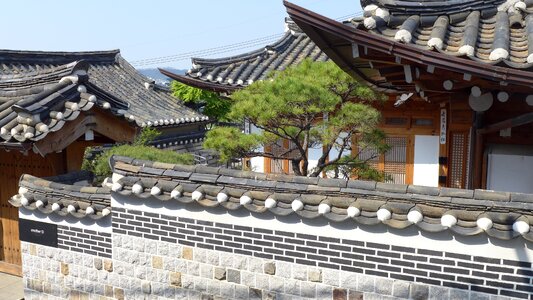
(55, 104)
(412, 127)
(466, 62)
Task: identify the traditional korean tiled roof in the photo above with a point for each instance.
(493, 32)
(500, 215)
(68, 194)
(40, 91)
(235, 72)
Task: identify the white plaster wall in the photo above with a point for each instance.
(480, 245)
(426, 160)
(510, 173)
(102, 225)
(257, 164)
(314, 155)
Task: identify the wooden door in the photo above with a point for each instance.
(12, 165)
(283, 148)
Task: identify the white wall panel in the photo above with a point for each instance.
(510, 173)
(426, 161)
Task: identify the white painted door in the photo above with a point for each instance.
(426, 160)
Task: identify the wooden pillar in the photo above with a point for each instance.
(477, 170)
(75, 153)
(267, 161)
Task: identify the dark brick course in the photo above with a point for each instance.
(84, 241)
(476, 273)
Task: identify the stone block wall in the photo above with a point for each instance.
(147, 269)
(162, 256)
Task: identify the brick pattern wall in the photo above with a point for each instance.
(84, 241)
(435, 268)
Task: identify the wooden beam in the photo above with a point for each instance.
(477, 171)
(510, 123)
(115, 128)
(75, 153)
(59, 140)
(104, 123)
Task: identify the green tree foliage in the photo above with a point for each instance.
(209, 103)
(312, 105)
(139, 149)
(146, 136)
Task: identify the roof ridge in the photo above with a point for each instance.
(55, 71)
(136, 74)
(242, 56)
(21, 56)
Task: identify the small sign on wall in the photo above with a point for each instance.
(443, 119)
(38, 232)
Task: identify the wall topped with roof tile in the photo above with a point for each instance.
(189, 257)
(189, 232)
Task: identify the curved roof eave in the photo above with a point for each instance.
(310, 21)
(213, 87)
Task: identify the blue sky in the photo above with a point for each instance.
(150, 29)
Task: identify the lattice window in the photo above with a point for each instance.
(392, 163)
(458, 159)
(397, 121)
(395, 160)
(371, 155)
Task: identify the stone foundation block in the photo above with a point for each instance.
(340, 294)
(419, 292)
(234, 276)
(220, 273)
(175, 279)
(270, 268)
(64, 269)
(187, 253)
(400, 289)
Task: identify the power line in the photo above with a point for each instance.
(215, 50)
(222, 49)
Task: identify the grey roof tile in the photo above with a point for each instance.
(58, 192)
(199, 177)
(235, 72)
(492, 195)
(40, 91)
(459, 193)
(362, 185)
(483, 31)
